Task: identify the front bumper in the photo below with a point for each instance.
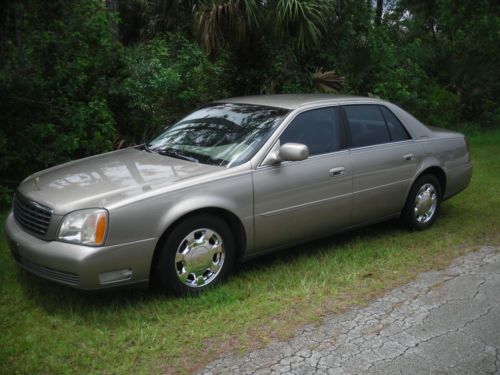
(79, 266)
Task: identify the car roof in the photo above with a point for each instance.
(293, 101)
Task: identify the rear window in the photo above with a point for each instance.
(396, 129)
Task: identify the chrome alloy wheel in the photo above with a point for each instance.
(425, 203)
(199, 257)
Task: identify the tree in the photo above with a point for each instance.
(228, 21)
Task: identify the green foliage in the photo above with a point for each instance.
(221, 23)
(458, 48)
(409, 86)
(79, 78)
(53, 85)
(303, 19)
(5, 197)
(224, 22)
(164, 79)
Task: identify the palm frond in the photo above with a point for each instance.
(218, 21)
(305, 19)
(328, 81)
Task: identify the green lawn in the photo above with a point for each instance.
(47, 328)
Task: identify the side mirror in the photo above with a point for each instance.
(293, 152)
(287, 152)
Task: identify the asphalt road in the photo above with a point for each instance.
(445, 322)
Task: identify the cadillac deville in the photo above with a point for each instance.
(235, 179)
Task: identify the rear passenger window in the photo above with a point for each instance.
(319, 129)
(396, 129)
(367, 125)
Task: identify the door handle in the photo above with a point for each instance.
(409, 157)
(339, 171)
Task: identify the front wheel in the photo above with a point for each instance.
(198, 253)
(423, 202)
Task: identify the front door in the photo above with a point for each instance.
(294, 201)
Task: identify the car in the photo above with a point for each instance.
(235, 179)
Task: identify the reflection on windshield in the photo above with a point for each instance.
(219, 134)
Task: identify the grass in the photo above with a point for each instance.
(47, 328)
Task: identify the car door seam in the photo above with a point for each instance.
(381, 186)
(299, 206)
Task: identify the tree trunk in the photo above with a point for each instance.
(378, 12)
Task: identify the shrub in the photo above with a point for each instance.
(164, 79)
(54, 86)
(413, 90)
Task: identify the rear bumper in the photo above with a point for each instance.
(81, 267)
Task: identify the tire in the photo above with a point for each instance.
(422, 205)
(198, 254)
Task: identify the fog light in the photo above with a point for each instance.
(114, 276)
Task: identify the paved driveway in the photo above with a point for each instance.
(445, 322)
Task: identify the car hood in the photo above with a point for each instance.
(104, 180)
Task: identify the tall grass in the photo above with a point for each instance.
(47, 328)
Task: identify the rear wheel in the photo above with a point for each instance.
(198, 253)
(423, 202)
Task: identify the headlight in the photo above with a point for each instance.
(86, 227)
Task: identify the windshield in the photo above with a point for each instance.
(219, 134)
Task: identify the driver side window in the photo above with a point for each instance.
(319, 129)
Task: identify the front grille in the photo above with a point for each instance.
(46, 272)
(31, 215)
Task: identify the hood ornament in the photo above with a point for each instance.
(36, 183)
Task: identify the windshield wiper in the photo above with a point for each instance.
(145, 147)
(173, 153)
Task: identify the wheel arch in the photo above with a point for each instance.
(229, 218)
(435, 170)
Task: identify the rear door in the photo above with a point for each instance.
(384, 160)
(299, 200)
